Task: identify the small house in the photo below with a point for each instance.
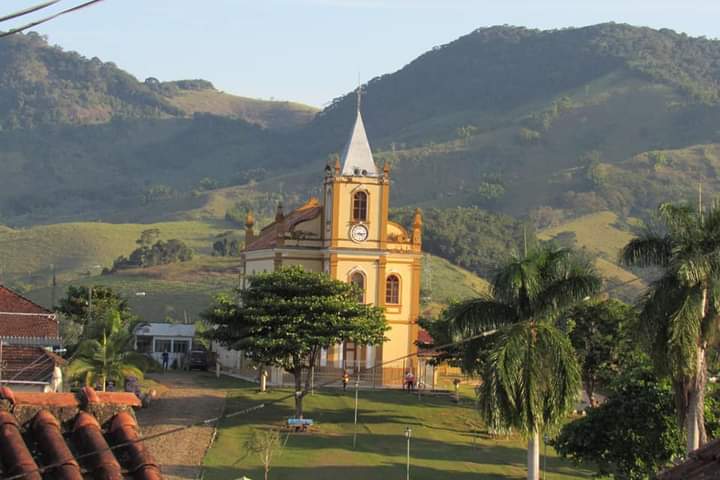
(154, 339)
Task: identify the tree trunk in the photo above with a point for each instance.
(299, 393)
(695, 421)
(263, 379)
(590, 392)
(696, 434)
(534, 456)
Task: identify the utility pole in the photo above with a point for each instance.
(700, 206)
(54, 285)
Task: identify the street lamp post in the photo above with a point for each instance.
(357, 388)
(408, 435)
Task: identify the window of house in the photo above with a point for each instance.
(360, 201)
(392, 290)
(144, 344)
(163, 345)
(358, 279)
(180, 346)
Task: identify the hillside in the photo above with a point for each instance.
(602, 236)
(521, 121)
(497, 132)
(41, 85)
(78, 252)
(204, 98)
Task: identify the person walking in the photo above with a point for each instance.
(345, 379)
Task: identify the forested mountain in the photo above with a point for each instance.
(545, 125)
(43, 85)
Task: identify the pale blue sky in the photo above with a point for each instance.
(313, 50)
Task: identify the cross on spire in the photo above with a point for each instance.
(359, 93)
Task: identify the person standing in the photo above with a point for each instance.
(165, 360)
(345, 379)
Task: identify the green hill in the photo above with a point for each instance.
(498, 131)
(41, 84)
(521, 121)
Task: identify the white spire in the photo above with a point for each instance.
(357, 156)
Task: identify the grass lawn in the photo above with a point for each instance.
(442, 445)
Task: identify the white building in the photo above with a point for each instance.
(155, 338)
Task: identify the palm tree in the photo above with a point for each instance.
(531, 377)
(680, 310)
(111, 357)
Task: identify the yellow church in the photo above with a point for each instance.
(347, 234)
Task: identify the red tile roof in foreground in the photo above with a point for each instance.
(73, 434)
(268, 235)
(29, 364)
(20, 317)
(703, 464)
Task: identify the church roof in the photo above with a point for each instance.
(357, 155)
(268, 236)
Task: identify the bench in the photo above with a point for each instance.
(300, 424)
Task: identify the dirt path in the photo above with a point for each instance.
(180, 454)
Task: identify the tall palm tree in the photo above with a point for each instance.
(109, 358)
(531, 378)
(680, 310)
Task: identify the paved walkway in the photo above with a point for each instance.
(180, 454)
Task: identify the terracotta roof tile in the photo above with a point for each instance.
(26, 363)
(58, 424)
(703, 464)
(20, 317)
(268, 235)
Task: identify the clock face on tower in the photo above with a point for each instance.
(358, 233)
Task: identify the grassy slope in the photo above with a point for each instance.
(270, 114)
(443, 444)
(443, 282)
(600, 235)
(76, 248)
(80, 250)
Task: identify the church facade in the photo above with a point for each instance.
(347, 234)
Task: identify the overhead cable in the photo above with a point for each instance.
(49, 18)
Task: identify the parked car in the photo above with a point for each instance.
(198, 359)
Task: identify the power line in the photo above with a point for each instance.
(28, 10)
(49, 18)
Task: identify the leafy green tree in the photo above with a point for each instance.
(88, 307)
(109, 358)
(531, 377)
(148, 237)
(598, 334)
(632, 435)
(285, 317)
(680, 313)
(160, 253)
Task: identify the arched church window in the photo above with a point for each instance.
(360, 201)
(358, 279)
(392, 290)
